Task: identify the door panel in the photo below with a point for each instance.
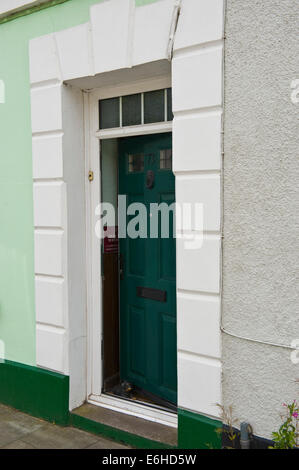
(136, 340)
(147, 316)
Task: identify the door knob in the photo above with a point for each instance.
(150, 179)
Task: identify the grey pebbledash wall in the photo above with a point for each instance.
(261, 209)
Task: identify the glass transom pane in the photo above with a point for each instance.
(131, 110)
(109, 113)
(166, 159)
(169, 105)
(136, 163)
(137, 109)
(154, 107)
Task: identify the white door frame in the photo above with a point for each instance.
(93, 136)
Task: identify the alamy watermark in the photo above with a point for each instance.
(295, 353)
(138, 220)
(295, 92)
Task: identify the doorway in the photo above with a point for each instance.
(139, 272)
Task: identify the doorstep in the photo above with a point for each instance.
(137, 432)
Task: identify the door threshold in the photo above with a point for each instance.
(130, 430)
(139, 410)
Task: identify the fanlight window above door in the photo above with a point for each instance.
(137, 109)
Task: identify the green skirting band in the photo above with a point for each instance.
(45, 394)
(35, 391)
(198, 432)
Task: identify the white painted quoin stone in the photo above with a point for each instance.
(197, 78)
(120, 36)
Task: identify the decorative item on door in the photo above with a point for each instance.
(111, 244)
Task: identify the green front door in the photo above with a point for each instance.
(148, 270)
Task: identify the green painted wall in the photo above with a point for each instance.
(145, 2)
(17, 311)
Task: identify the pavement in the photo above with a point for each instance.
(21, 431)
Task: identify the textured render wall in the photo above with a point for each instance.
(261, 206)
